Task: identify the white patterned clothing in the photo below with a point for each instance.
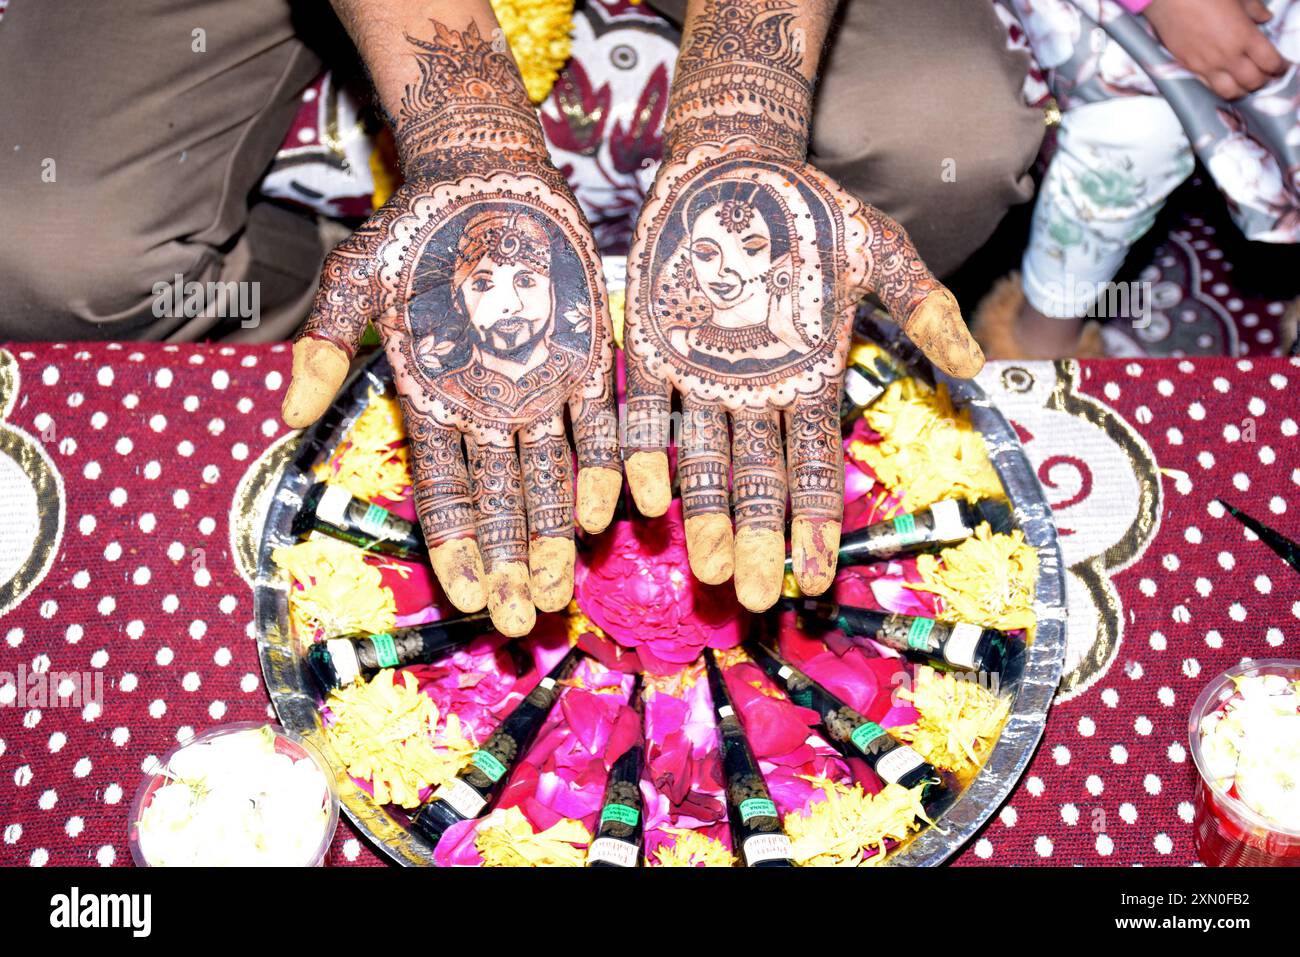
(1115, 164)
(1132, 116)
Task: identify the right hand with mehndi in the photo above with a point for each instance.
(742, 282)
(484, 282)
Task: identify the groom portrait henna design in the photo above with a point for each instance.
(488, 327)
(484, 282)
(746, 268)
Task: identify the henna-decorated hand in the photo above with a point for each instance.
(484, 282)
(742, 284)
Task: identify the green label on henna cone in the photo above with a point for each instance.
(375, 521)
(489, 765)
(621, 814)
(864, 734)
(385, 650)
(918, 635)
(908, 534)
(756, 807)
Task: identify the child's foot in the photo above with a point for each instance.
(1007, 327)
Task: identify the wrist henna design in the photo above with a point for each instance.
(738, 77)
(469, 108)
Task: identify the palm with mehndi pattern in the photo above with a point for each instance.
(745, 271)
(484, 282)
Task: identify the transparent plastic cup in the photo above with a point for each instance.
(1227, 833)
(286, 742)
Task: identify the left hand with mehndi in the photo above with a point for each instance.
(743, 278)
(484, 282)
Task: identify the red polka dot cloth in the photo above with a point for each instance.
(133, 475)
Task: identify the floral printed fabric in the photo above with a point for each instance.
(1100, 195)
(1095, 52)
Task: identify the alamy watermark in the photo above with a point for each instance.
(1102, 300)
(220, 300)
(50, 689)
(73, 910)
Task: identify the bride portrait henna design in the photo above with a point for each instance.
(484, 283)
(744, 275)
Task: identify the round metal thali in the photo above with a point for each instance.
(1031, 690)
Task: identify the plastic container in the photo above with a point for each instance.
(1228, 833)
(286, 743)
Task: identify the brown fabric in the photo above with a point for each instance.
(907, 85)
(157, 149)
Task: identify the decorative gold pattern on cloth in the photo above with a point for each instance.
(1103, 484)
(31, 523)
(8, 383)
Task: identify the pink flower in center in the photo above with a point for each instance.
(638, 587)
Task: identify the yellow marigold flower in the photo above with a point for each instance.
(865, 352)
(987, 580)
(728, 658)
(340, 594)
(958, 719)
(538, 32)
(384, 732)
(617, 307)
(676, 685)
(506, 839)
(929, 449)
(371, 462)
(579, 624)
(383, 167)
(693, 849)
(838, 831)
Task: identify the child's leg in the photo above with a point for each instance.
(1116, 162)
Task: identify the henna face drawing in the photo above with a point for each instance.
(499, 308)
(484, 282)
(743, 277)
(740, 297)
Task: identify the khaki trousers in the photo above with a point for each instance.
(130, 146)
